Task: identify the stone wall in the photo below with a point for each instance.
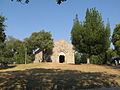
(61, 47)
(38, 57)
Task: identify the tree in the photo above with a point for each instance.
(116, 38)
(60, 1)
(7, 55)
(2, 29)
(19, 52)
(27, 1)
(77, 28)
(107, 36)
(91, 38)
(2, 36)
(110, 53)
(41, 41)
(17, 47)
(77, 58)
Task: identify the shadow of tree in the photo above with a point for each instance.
(54, 79)
(114, 67)
(7, 67)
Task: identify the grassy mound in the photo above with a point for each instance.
(53, 76)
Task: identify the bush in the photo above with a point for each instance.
(77, 58)
(97, 59)
(80, 58)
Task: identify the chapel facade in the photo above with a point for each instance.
(62, 53)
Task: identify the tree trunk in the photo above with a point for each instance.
(88, 60)
(25, 55)
(43, 56)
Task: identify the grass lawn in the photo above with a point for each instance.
(55, 76)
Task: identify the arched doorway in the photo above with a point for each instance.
(61, 59)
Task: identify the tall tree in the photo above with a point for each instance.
(2, 29)
(2, 36)
(76, 29)
(92, 35)
(107, 35)
(16, 47)
(7, 55)
(41, 41)
(19, 51)
(116, 38)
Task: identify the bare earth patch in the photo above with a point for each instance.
(56, 76)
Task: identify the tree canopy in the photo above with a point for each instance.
(2, 29)
(13, 51)
(116, 38)
(2, 37)
(90, 37)
(41, 41)
(27, 1)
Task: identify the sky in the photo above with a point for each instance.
(23, 20)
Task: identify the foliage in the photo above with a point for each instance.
(80, 58)
(7, 55)
(75, 36)
(84, 58)
(94, 59)
(17, 48)
(41, 41)
(60, 1)
(19, 52)
(2, 29)
(110, 53)
(77, 58)
(91, 37)
(27, 1)
(116, 38)
(98, 59)
(2, 37)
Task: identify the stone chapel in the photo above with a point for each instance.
(62, 53)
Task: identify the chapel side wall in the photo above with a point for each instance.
(70, 58)
(70, 55)
(38, 57)
(54, 56)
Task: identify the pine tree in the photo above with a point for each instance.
(116, 38)
(2, 29)
(76, 29)
(2, 37)
(107, 32)
(91, 38)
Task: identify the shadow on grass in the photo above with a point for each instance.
(54, 79)
(114, 67)
(7, 67)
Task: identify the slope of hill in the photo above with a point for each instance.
(53, 76)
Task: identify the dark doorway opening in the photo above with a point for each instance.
(61, 58)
